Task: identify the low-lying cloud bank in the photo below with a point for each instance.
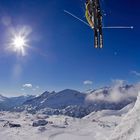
(119, 91)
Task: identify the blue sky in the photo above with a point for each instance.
(61, 53)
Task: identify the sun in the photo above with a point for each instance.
(19, 40)
(19, 44)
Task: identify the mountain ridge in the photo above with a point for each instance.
(74, 103)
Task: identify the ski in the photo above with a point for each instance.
(96, 38)
(94, 18)
(99, 18)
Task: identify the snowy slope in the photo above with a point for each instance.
(130, 125)
(96, 126)
(104, 113)
(58, 128)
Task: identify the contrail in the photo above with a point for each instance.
(108, 27)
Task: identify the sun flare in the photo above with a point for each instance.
(19, 41)
(19, 44)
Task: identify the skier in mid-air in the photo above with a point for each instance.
(93, 15)
(94, 18)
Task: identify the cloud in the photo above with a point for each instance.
(27, 86)
(117, 93)
(135, 73)
(87, 82)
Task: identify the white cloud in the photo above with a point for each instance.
(116, 94)
(27, 86)
(135, 73)
(87, 82)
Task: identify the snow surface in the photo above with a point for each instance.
(96, 126)
(121, 124)
(129, 127)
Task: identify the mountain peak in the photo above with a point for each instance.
(2, 98)
(68, 91)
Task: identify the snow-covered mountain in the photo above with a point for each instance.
(7, 103)
(67, 102)
(76, 104)
(2, 98)
(57, 100)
